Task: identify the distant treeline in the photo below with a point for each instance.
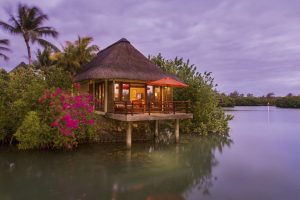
(237, 99)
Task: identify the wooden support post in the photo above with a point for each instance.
(105, 96)
(93, 93)
(128, 135)
(177, 130)
(156, 128)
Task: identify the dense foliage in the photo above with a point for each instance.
(288, 102)
(19, 95)
(28, 119)
(75, 54)
(59, 119)
(33, 133)
(208, 115)
(236, 99)
(4, 120)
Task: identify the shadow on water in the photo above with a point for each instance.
(109, 171)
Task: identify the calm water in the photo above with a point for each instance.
(261, 160)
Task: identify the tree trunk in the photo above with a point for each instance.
(28, 51)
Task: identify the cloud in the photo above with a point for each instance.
(249, 45)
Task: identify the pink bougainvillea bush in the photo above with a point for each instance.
(70, 115)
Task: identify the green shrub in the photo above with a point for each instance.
(208, 115)
(33, 133)
(58, 78)
(288, 102)
(24, 87)
(4, 99)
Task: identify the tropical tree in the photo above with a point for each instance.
(43, 59)
(270, 95)
(3, 47)
(208, 115)
(29, 24)
(75, 54)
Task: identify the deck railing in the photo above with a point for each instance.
(138, 107)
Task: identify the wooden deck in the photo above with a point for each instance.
(147, 117)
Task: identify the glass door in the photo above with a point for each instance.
(99, 96)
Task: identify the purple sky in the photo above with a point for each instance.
(249, 45)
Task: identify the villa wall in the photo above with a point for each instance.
(110, 102)
(84, 87)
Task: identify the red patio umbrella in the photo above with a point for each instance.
(167, 81)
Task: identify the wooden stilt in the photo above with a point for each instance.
(105, 96)
(177, 130)
(128, 135)
(156, 128)
(128, 155)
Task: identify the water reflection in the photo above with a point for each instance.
(106, 171)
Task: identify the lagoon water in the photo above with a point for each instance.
(260, 160)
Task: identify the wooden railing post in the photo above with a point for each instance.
(174, 107)
(114, 110)
(132, 108)
(149, 107)
(187, 107)
(126, 111)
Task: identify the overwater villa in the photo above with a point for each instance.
(129, 87)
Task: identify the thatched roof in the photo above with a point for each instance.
(19, 66)
(120, 61)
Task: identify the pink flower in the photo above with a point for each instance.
(62, 98)
(66, 106)
(71, 123)
(57, 92)
(65, 132)
(54, 124)
(90, 122)
(68, 112)
(41, 100)
(76, 86)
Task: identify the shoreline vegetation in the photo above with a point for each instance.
(237, 99)
(40, 107)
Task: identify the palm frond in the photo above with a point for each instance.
(46, 31)
(40, 19)
(34, 11)
(16, 24)
(4, 48)
(93, 48)
(46, 44)
(4, 42)
(4, 56)
(9, 28)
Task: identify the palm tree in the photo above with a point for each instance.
(77, 54)
(3, 47)
(85, 52)
(29, 23)
(43, 59)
